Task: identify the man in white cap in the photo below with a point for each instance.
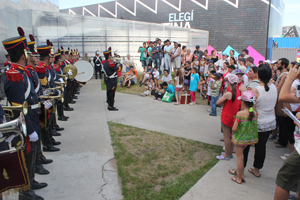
(97, 64)
(219, 63)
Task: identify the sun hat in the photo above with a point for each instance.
(247, 96)
(243, 69)
(232, 78)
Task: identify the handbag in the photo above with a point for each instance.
(186, 82)
(279, 106)
(167, 97)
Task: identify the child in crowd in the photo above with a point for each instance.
(168, 87)
(149, 87)
(130, 80)
(231, 107)
(159, 92)
(215, 91)
(202, 86)
(145, 74)
(179, 85)
(194, 85)
(208, 94)
(187, 76)
(245, 133)
(156, 75)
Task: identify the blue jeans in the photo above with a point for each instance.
(156, 62)
(213, 103)
(127, 69)
(149, 60)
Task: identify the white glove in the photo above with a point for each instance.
(59, 92)
(33, 137)
(1, 135)
(122, 61)
(47, 104)
(2, 70)
(46, 92)
(70, 72)
(61, 80)
(7, 68)
(10, 138)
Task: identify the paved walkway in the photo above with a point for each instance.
(84, 168)
(193, 122)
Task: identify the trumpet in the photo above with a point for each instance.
(63, 76)
(9, 110)
(56, 88)
(60, 83)
(59, 97)
(17, 126)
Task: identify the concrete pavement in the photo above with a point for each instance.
(194, 122)
(84, 167)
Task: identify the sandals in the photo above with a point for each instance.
(234, 172)
(222, 139)
(252, 172)
(229, 156)
(235, 179)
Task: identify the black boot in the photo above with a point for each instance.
(29, 195)
(44, 160)
(72, 102)
(58, 128)
(36, 186)
(55, 142)
(68, 108)
(55, 133)
(50, 148)
(39, 169)
(62, 118)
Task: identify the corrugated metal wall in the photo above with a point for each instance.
(288, 42)
(289, 53)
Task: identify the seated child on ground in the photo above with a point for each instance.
(158, 92)
(130, 80)
(151, 86)
(145, 74)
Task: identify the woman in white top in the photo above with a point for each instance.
(266, 97)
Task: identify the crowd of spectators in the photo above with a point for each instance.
(251, 99)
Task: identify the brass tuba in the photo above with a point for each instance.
(16, 127)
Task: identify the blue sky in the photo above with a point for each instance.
(291, 13)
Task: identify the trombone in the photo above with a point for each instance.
(65, 77)
(60, 83)
(9, 110)
(59, 97)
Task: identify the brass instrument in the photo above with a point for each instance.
(56, 88)
(68, 68)
(9, 110)
(63, 76)
(117, 60)
(60, 83)
(59, 97)
(17, 126)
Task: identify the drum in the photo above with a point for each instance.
(85, 71)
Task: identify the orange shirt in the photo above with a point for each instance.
(136, 74)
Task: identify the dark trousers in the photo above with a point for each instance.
(158, 96)
(281, 140)
(110, 94)
(96, 73)
(260, 150)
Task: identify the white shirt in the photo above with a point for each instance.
(168, 49)
(206, 69)
(177, 82)
(245, 78)
(295, 106)
(265, 106)
(156, 74)
(220, 63)
(166, 79)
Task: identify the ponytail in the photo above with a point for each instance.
(234, 85)
(266, 86)
(251, 112)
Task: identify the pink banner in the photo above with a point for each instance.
(210, 48)
(257, 56)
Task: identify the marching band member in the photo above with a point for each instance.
(111, 79)
(19, 88)
(97, 64)
(7, 62)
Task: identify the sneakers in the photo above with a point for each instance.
(211, 114)
(229, 156)
(284, 157)
(159, 99)
(221, 157)
(192, 103)
(142, 94)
